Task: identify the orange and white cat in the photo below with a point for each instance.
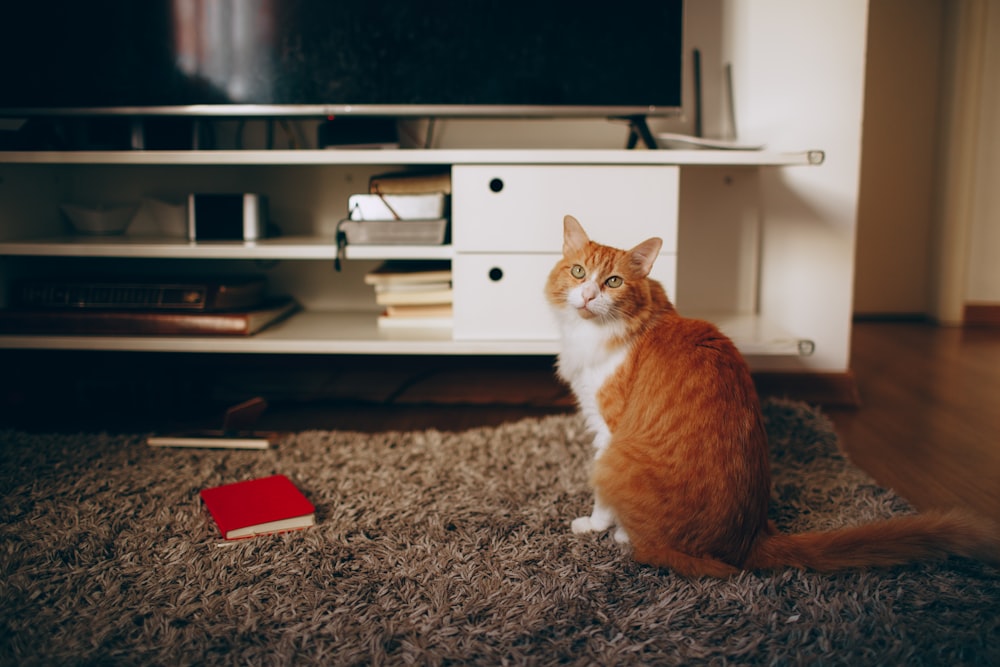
(681, 464)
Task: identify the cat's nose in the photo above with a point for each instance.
(589, 292)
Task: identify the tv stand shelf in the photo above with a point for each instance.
(418, 157)
(318, 332)
(621, 196)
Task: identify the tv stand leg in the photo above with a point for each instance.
(639, 129)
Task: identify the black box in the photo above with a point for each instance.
(226, 217)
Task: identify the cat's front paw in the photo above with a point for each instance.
(621, 537)
(589, 524)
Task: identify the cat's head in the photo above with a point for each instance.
(601, 283)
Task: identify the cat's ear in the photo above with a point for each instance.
(574, 238)
(643, 255)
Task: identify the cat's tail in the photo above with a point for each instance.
(928, 536)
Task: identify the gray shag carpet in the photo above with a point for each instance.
(438, 548)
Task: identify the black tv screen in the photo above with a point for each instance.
(323, 57)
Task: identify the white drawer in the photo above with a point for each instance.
(519, 208)
(502, 296)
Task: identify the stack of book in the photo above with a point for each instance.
(413, 293)
(231, 305)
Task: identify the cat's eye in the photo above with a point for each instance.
(578, 271)
(614, 281)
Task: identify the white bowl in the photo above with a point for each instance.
(99, 219)
(170, 218)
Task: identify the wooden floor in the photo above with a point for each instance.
(928, 426)
(929, 423)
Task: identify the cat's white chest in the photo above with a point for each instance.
(586, 362)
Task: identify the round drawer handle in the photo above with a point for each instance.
(496, 184)
(496, 274)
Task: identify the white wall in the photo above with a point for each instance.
(929, 210)
(898, 160)
(966, 208)
(983, 282)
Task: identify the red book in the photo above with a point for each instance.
(257, 506)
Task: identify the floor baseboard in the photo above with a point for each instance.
(981, 315)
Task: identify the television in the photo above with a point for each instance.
(393, 58)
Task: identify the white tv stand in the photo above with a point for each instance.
(620, 196)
